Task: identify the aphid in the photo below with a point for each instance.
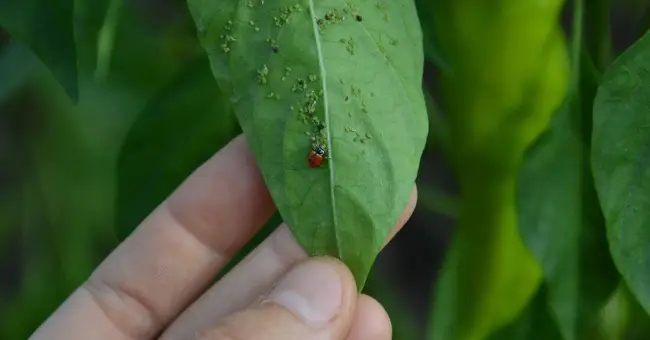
(275, 49)
(315, 158)
(358, 18)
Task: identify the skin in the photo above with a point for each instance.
(156, 284)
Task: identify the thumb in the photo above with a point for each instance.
(314, 300)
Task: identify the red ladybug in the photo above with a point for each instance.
(315, 157)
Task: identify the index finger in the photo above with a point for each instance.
(172, 256)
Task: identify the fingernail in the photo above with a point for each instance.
(312, 291)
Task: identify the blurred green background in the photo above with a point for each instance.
(67, 196)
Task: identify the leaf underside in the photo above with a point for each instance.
(620, 162)
(354, 68)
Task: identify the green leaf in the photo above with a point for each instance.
(183, 126)
(46, 26)
(358, 67)
(432, 49)
(620, 156)
(16, 65)
(550, 215)
(561, 223)
(534, 323)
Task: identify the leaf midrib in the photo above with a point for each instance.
(330, 162)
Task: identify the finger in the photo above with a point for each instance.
(252, 278)
(371, 322)
(315, 300)
(172, 255)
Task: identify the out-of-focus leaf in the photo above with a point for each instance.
(404, 326)
(356, 68)
(432, 49)
(534, 323)
(434, 200)
(47, 27)
(620, 162)
(438, 127)
(559, 215)
(561, 222)
(106, 39)
(16, 64)
(181, 128)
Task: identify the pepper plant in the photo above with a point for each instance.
(543, 124)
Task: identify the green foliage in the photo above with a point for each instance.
(181, 127)
(619, 160)
(368, 111)
(15, 63)
(496, 106)
(550, 215)
(559, 215)
(46, 26)
(545, 194)
(432, 49)
(536, 322)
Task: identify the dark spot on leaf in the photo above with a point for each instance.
(358, 18)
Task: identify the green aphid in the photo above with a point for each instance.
(351, 47)
(262, 73)
(313, 78)
(368, 135)
(299, 86)
(250, 3)
(355, 91)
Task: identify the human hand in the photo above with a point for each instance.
(155, 285)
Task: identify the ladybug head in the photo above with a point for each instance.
(319, 151)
